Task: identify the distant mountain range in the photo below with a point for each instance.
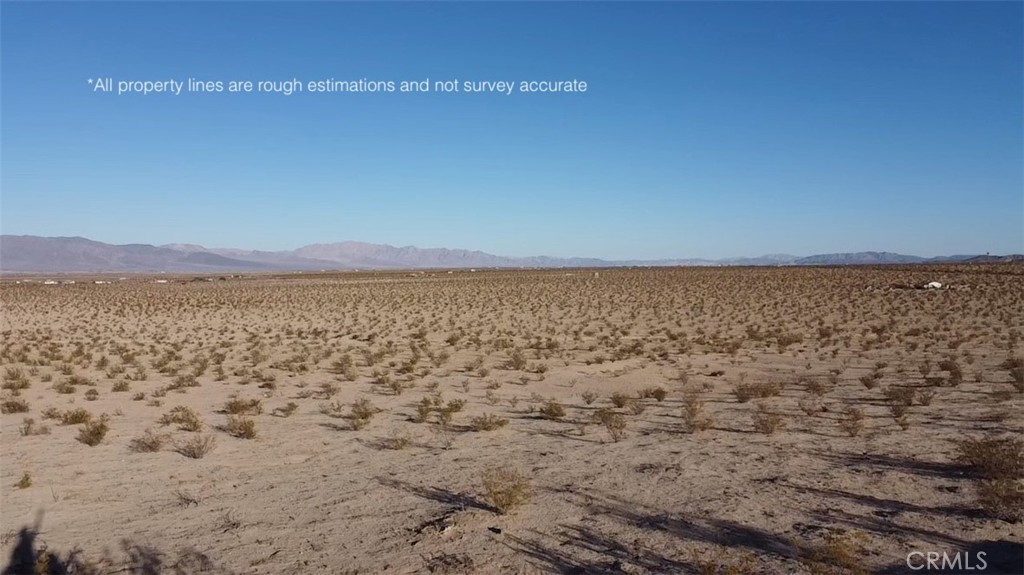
(35, 254)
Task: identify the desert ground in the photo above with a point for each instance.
(701, 420)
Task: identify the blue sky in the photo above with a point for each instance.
(708, 130)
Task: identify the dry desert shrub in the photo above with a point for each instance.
(487, 422)
(620, 400)
(744, 392)
(992, 458)
(196, 447)
(396, 440)
(75, 416)
(287, 410)
(446, 413)
(852, 421)
(811, 405)
(613, 422)
(767, 422)
(1015, 365)
(186, 498)
(925, 397)
(839, 554)
(93, 432)
(30, 427)
(186, 419)
(149, 442)
(657, 393)
(1002, 498)
(15, 379)
(14, 405)
(239, 406)
(552, 410)
(722, 562)
(999, 462)
(636, 407)
(506, 488)
(899, 395)
(870, 381)
(361, 412)
(449, 564)
(694, 414)
(240, 427)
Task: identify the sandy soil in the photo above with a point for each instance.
(700, 481)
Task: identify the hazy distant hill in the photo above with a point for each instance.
(59, 255)
(48, 255)
(860, 258)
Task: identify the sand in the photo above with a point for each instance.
(310, 493)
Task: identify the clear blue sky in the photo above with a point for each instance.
(708, 130)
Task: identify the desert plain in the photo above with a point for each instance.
(691, 420)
